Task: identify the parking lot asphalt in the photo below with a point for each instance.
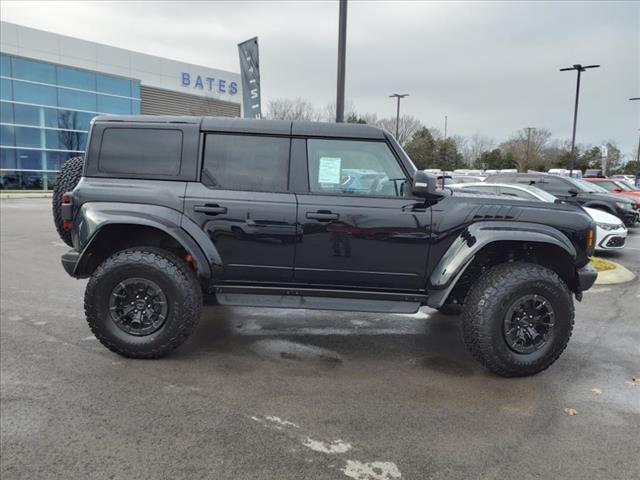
(277, 394)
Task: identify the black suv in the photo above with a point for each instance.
(171, 211)
(567, 188)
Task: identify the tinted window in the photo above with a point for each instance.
(242, 162)
(5, 89)
(6, 112)
(140, 151)
(28, 137)
(33, 93)
(610, 186)
(108, 104)
(349, 167)
(77, 100)
(72, 77)
(528, 179)
(7, 158)
(5, 65)
(114, 85)
(555, 186)
(7, 135)
(36, 71)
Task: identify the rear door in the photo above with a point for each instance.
(242, 203)
(362, 228)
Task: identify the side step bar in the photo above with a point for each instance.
(318, 299)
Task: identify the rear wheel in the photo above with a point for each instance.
(68, 178)
(143, 303)
(518, 319)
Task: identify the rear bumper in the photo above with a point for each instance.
(70, 261)
(586, 277)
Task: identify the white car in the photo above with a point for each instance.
(611, 234)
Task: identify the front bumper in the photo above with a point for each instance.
(70, 261)
(586, 277)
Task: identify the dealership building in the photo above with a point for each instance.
(53, 85)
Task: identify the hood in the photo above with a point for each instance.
(602, 217)
(605, 197)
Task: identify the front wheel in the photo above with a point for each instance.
(518, 319)
(143, 302)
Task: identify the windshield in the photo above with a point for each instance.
(624, 186)
(586, 187)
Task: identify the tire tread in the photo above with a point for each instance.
(171, 265)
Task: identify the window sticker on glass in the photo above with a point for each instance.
(329, 171)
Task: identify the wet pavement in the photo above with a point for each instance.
(293, 394)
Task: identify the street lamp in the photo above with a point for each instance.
(638, 154)
(528, 129)
(579, 68)
(398, 96)
(342, 48)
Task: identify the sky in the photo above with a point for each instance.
(491, 67)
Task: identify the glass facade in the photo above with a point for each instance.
(45, 114)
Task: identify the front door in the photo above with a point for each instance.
(243, 205)
(361, 226)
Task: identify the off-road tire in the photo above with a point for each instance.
(177, 281)
(68, 178)
(487, 304)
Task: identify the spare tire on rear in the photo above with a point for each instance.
(68, 178)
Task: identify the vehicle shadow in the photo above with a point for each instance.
(428, 339)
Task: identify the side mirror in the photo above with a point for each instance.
(573, 192)
(424, 184)
(617, 190)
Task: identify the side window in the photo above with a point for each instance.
(246, 162)
(140, 151)
(514, 192)
(528, 179)
(350, 167)
(555, 186)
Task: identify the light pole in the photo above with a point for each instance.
(398, 96)
(638, 153)
(528, 129)
(342, 47)
(444, 143)
(579, 68)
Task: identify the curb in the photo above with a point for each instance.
(618, 275)
(5, 196)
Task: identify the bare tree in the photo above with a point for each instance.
(296, 109)
(527, 150)
(71, 137)
(475, 146)
(329, 112)
(407, 127)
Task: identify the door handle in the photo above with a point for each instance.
(323, 216)
(210, 209)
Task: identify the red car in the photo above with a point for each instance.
(617, 188)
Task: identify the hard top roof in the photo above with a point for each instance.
(268, 127)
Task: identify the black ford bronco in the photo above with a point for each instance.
(164, 213)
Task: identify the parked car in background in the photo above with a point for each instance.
(611, 234)
(571, 189)
(617, 188)
(630, 179)
(593, 173)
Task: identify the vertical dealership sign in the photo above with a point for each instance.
(250, 72)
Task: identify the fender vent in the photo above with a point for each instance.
(496, 212)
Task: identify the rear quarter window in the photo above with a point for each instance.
(140, 151)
